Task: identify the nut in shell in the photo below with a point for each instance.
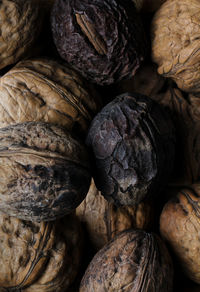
(20, 22)
(45, 173)
(176, 42)
(133, 261)
(133, 142)
(39, 257)
(47, 91)
(103, 40)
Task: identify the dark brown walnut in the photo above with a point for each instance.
(47, 91)
(179, 226)
(104, 40)
(132, 139)
(44, 171)
(20, 23)
(175, 42)
(39, 257)
(103, 220)
(133, 261)
(185, 112)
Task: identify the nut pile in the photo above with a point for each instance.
(99, 145)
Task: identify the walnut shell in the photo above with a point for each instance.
(133, 261)
(104, 220)
(179, 226)
(20, 23)
(39, 256)
(44, 90)
(175, 42)
(45, 172)
(103, 40)
(133, 143)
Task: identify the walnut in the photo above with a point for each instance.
(133, 261)
(179, 226)
(133, 142)
(39, 256)
(44, 90)
(175, 42)
(104, 220)
(45, 172)
(103, 40)
(20, 23)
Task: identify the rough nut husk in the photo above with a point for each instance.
(103, 220)
(45, 172)
(39, 256)
(179, 226)
(133, 261)
(132, 139)
(103, 40)
(176, 42)
(45, 90)
(20, 23)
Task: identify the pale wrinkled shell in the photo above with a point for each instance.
(39, 256)
(44, 90)
(103, 220)
(20, 23)
(176, 42)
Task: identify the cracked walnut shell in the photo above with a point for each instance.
(47, 91)
(133, 261)
(179, 226)
(133, 142)
(20, 23)
(176, 42)
(39, 257)
(45, 172)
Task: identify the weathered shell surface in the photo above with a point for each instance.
(39, 256)
(20, 23)
(175, 42)
(134, 261)
(104, 40)
(44, 171)
(47, 91)
(133, 143)
(179, 226)
(104, 220)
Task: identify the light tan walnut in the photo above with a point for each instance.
(176, 42)
(39, 257)
(20, 23)
(179, 226)
(44, 90)
(104, 220)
